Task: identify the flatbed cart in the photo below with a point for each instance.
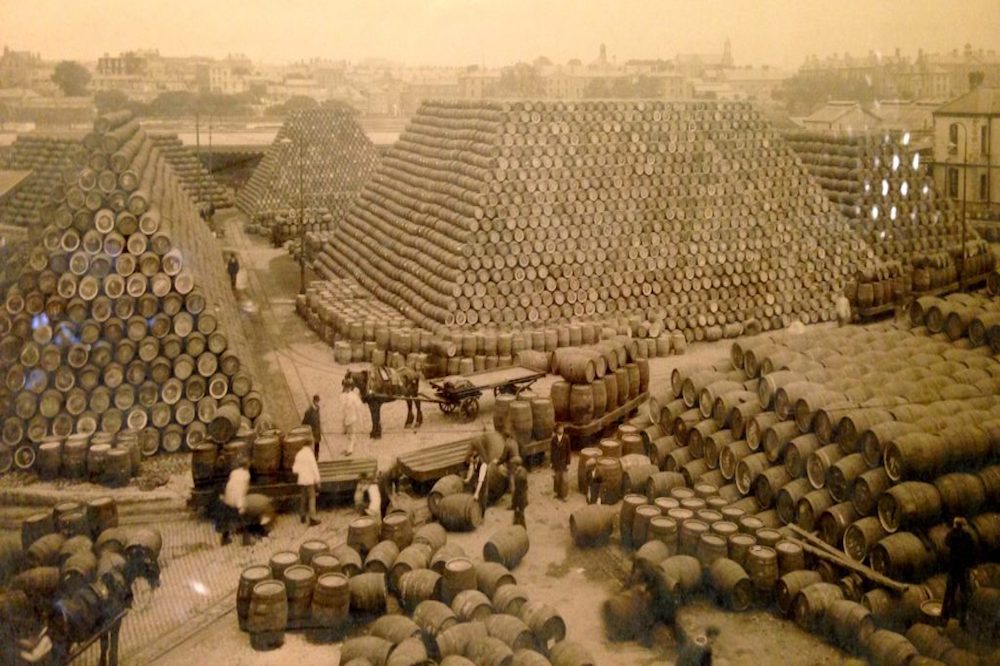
(461, 393)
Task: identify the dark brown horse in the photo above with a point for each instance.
(382, 385)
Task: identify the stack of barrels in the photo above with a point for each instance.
(421, 598)
(974, 318)
(53, 163)
(361, 328)
(70, 573)
(197, 182)
(878, 183)
(124, 318)
(598, 379)
(522, 213)
(322, 153)
(314, 242)
(934, 270)
(880, 284)
(269, 454)
(283, 224)
(871, 437)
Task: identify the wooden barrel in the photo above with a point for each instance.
(455, 640)
(545, 623)
(491, 576)
(363, 534)
(627, 615)
(866, 490)
(790, 584)
(368, 593)
(394, 628)
(268, 611)
(434, 617)
(265, 456)
(417, 586)
(459, 575)
(559, 395)
(365, 650)
(398, 528)
(331, 600)
(568, 653)
(811, 603)
(507, 546)
(381, 557)
(609, 471)
(449, 484)
(581, 404)
(248, 579)
(310, 549)
(348, 558)
(849, 624)
(762, 566)
(902, 556)
(432, 534)
(471, 605)
(887, 648)
(909, 503)
(543, 418)
(519, 415)
(299, 580)
(280, 561)
(730, 583)
(460, 512)
(226, 422)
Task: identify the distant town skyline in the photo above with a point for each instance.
(494, 33)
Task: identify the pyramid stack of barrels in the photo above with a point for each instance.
(194, 177)
(526, 213)
(871, 438)
(414, 596)
(53, 162)
(68, 573)
(124, 323)
(879, 184)
(337, 158)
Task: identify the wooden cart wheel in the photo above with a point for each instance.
(447, 407)
(470, 408)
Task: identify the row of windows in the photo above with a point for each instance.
(984, 185)
(984, 138)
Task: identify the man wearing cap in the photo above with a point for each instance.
(311, 419)
(961, 556)
(519, 498)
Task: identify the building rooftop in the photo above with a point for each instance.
(833, 111)
(978, 102)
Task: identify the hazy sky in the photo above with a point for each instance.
(496, 32)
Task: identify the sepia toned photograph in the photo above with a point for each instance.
(500, 332)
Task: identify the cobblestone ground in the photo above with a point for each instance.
(190, 619)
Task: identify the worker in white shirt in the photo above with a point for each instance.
(307, 473)
(351, 406)
(234, 500)
(367, 498)
(475, 479)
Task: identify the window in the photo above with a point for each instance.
(953, 135)
(984, 140)
(953, 183)
(984, 189)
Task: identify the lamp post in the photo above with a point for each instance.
(302, 220)
(965, 174)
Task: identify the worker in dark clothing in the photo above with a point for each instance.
(387, 482)
(311, 419)
(519, 498)
(962, 555)
(475, 480)
(593, 480)
(511, 450)
(233, 268)
(560, 454)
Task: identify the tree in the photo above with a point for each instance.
(976, 79)
(72, 78)
(521, 80)
(110, 100)
(294, 103)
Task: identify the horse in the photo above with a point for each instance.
(381, 385)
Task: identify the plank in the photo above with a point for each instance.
(492, 378)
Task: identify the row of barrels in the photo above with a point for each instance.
(268, 454)
(958, 316)
(111, 328)
(195, 178)
(103, 458)
(853, 472)
(47, 158)
(283, 225)
(885, 177)
(314, 241)
(584, 402)
(70, 571)
(418, 596)
(417, 189)
(328, 160)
